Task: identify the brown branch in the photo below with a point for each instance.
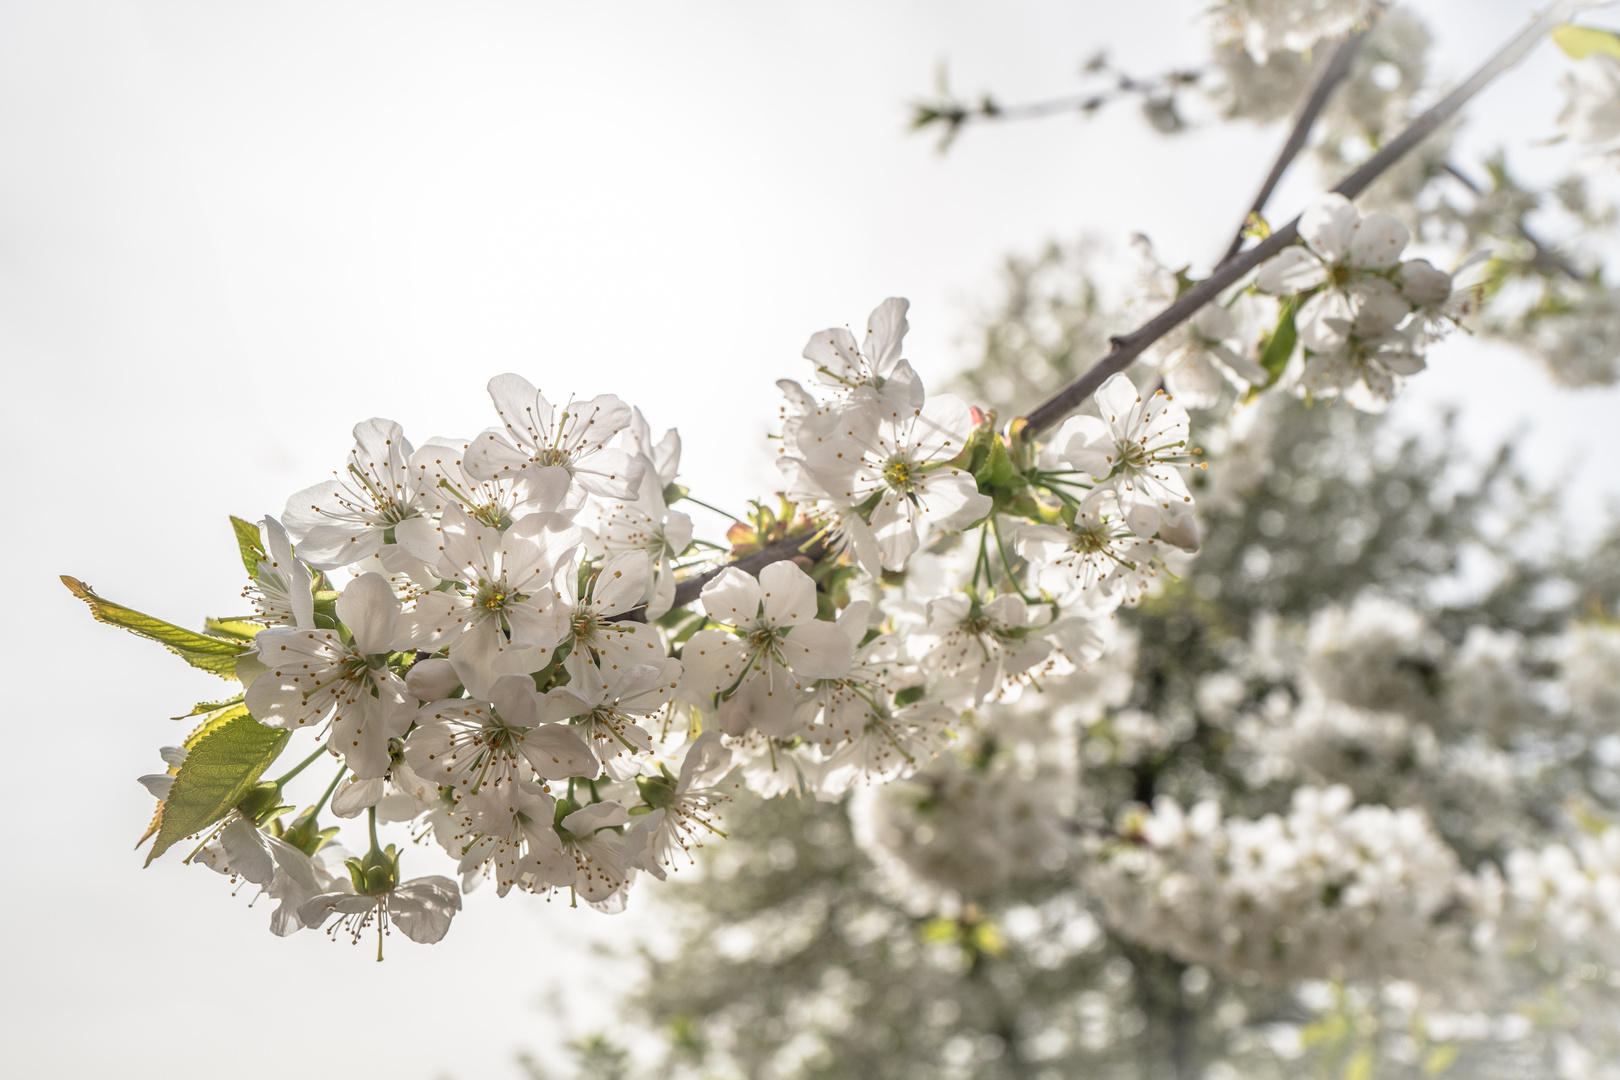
(1128, 347)
(1542, 254)
(785, 548)
(1334, 72)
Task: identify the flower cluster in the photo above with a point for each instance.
(1362, 315)
(1330, 890)
(489, 633)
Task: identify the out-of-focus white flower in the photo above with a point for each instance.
(1346, 258)
(1266, 26)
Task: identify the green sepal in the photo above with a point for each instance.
(222, 766)
(909, 695)
(1280, 345)
(1582, 41)
(211, 654)
(251, 544)
(656, 791)
(640, 811)
(674, 493)
(998, 470)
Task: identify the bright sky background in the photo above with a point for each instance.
(229, 231)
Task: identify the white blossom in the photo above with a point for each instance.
(1346, 260)
(680, 807)
(776, 647)
(538, 437)
(340, 522)
(1135, 448)
(313, 675)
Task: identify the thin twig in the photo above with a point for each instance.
(1541, 253)
(1130, 346)
(1334, 72)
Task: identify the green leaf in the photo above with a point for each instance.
(1582, 41)
(1280, 346)
(209, 707)
(224, 759)
(240, 629)
(211, 654)
(251, 545)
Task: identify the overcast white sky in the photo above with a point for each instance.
(229, 231)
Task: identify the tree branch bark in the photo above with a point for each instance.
(1333, 73)
(1130, 346)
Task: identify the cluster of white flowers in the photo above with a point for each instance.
(486, 631)
(1363, 316)
(1330, 890)
(1266, 26)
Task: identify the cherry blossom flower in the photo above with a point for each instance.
(778, 647)
(1095, 562)
(503, 617)
(280, 590)
(340, 522)
(609, 715)
(1347, 257)
(1135, 448)
(898, 460)
(983, 649)
(595, 638)
(315, 675)
(590, 837)
(467, 744)
(680, 807)
(539, 437)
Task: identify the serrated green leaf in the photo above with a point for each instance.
(226, 759)
(209, 707)
(1582, 41)
(211, 654)
(1280, 346)
(251, 545)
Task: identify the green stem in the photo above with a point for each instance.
(301, 766)
(318, 807)
(716, 509)
(371, 823)
(1006, 563)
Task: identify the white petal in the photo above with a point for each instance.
(1377, 241)
(1326, 225)
(1292, 270)
(788, 594)
(817, 650)
(556, 753)
(369, 608)
(732, 597)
